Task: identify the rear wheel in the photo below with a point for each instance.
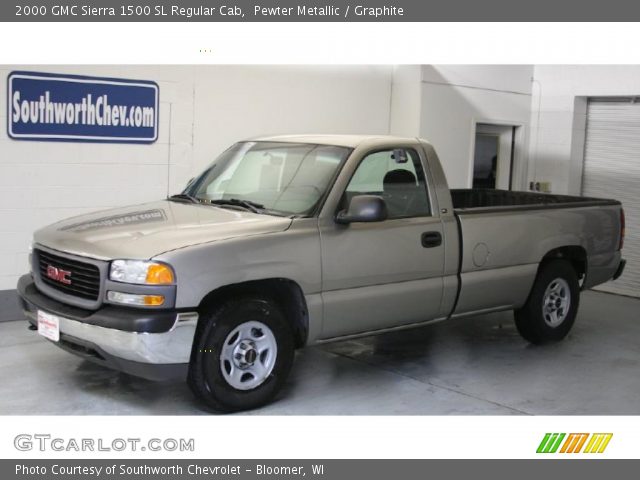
(242, 354)
(551, 308)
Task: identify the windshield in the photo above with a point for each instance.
(288, 178)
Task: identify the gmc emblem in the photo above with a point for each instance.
(59, 275)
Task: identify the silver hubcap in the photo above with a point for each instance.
(248, 355)
(556, 302)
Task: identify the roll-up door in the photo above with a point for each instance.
(612, 170)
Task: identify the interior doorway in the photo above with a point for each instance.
(493, 156)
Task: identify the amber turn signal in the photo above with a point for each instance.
(159, 274)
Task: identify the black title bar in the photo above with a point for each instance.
(317, 11)
(314, 469)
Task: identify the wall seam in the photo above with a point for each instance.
(169, 150)
(475, 88)
(390, 112)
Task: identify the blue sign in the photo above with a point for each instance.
(44, 106)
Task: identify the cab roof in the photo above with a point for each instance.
(351, 141)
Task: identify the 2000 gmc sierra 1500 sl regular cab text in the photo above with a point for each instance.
(290, 241)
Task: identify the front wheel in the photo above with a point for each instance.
(242, 354)
(551, 308)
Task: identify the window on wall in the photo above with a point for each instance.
(398, 177)
(493, 156)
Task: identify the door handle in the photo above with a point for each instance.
(431, 239)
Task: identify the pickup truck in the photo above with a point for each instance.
(288, 241)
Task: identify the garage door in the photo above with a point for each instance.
(612, 170)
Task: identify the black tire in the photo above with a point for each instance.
(206, 378)
(533, 322)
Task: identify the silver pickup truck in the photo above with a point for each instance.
(290, 241)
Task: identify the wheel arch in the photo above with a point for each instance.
(285, 292)
(576, 255)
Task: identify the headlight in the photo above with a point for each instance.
(141, 272)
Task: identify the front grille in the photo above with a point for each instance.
(84, 277)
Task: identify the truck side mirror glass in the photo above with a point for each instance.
(364, 208)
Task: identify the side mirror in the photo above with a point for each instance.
(363, 208)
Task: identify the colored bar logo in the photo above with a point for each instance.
(574, 443)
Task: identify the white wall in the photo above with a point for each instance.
(203, 109)
(558, 117)
(451, 99)
(234, 102)
(406, 95)
(456, 97)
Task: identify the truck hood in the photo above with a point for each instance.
(144, 231)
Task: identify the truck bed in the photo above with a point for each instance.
(504, 235)
(478, 200)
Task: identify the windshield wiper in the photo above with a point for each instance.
(236, 202)
(183, 197)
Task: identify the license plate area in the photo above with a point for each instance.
(49, 326)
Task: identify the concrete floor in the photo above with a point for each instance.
(474, 366)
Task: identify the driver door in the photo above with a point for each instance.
(384, 274)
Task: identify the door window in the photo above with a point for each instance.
(398, 177)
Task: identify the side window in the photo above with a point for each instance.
(398, 177)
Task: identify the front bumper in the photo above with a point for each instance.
(149, 344)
